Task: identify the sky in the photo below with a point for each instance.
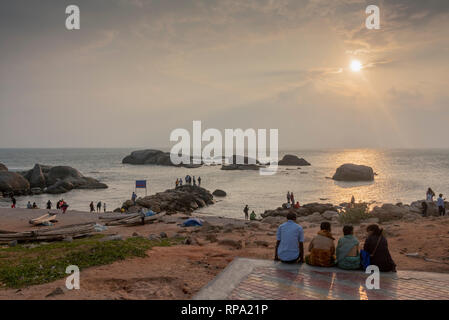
(136, 70)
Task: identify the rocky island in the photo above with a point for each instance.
(154, 157)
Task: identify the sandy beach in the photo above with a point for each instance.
(179, 271)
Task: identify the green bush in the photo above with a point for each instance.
(354, 215)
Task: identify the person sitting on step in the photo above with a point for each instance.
(322, 248)
(348, 256)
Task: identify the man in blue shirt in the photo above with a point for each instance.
(440, 204)
(290, 241)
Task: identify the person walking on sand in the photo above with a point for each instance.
(440, 204)
(92, 209)
(246, 210)
(430, 194)
(14, 201)
(199, 181)
(49, 204)
(288, 197)
(99, 206)
(64, 206)
(104, 206)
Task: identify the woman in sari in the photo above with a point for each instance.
(377, 246)
(348, 256)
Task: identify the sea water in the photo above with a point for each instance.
(402, 176)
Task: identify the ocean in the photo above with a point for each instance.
(402, 176)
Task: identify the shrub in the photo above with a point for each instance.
(354, 215)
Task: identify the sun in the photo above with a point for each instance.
(356, 65)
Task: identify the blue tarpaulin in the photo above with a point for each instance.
(192, 222)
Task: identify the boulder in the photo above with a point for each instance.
(292, 160)
(219, 193)
(389, 212)
(353, 172)
(329, 215)
(315, 218)
(61, 186)
(12, 182)
(37, 178)
(154, 157)
(232, 243)
(3, 167)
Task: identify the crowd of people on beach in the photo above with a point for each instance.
(189, 181)
(323, 253)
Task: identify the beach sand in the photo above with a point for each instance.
(178, 272)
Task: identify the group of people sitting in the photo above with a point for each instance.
(323, 253)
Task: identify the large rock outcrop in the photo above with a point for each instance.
(292, 160)
(13, 183)
(305, 210)
(58, 179)
(241, 167)
(154, 157)
(354, 172)
(3, 167)
(181, 199)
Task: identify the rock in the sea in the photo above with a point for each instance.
(59, 179)
(354, 172)
(292, 160)
(12, 182)
(3, 167)
(241, 167)
(155, 157)
(185, 198)
(219, 193)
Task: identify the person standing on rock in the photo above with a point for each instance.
(288, 197)
(430, 194)
(180, 181)
(194, 181)
(133, 197)
(199, 181)
(49, 205)
(177, 183)
(104, 206)
(92, 208)
(14, 201)
(289, 241)
(246, 211)
(292, 198)
(440, 204)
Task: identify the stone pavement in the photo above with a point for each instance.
(248, 279)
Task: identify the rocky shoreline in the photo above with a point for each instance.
(45, 179)
(318, 212)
